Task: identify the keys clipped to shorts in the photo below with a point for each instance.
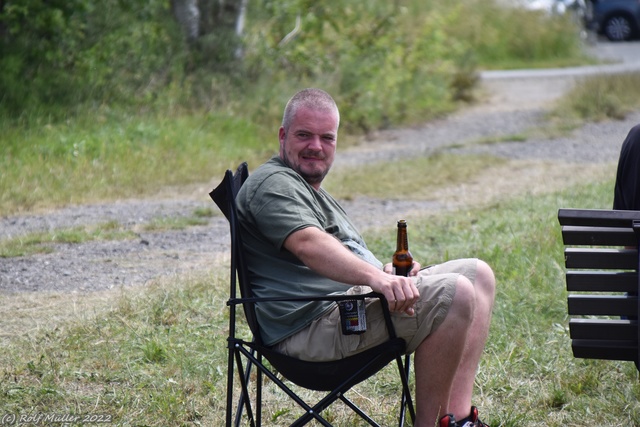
(353, 317)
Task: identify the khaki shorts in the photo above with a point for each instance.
(323, 339)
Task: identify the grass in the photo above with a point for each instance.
(114, 155)
(45, 242)
(598, 98)
(518, 38)
(161, 224)
(156, 356)
(85, 367)
(419, 176)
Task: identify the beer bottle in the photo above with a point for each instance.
(402, 260)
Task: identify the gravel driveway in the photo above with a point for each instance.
(515, 105)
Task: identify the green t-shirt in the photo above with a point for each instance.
(273, 203)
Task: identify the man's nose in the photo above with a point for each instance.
(315, 143)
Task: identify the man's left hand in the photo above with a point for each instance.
(415, 268)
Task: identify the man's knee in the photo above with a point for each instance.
(464, 302)
(485, 279)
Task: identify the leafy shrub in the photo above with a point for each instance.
(602, 97)
(387, 63)
(63, 52)
(38, 41)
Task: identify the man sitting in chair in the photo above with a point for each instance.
(299, 241)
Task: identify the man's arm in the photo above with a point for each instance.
(325, 255)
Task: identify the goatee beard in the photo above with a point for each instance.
(310, 179)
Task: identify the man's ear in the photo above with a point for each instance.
(281, 136)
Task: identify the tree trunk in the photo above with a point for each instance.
(3, 28)
(240, 25)
(187, 13)
(222, 19)
(242, 13)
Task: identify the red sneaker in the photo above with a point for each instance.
(471, 421)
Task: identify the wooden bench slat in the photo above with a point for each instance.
(612, 259)
(602, 305)
(602, 271)
(598, 236)
(609, 350)
(606, 330)
(601, 281)
(597, 217)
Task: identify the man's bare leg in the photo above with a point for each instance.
(463, 383)
(437, 358)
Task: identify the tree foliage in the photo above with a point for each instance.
(387, 62)
(38, 43)
(61, 52)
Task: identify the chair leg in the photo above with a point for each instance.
(306, 418)
(359, 411)
(312, 413)
(229, 387)
(242, 403)
(245, 397)
(258, 392)
(338, 394)
(406, 400)
(262, 370)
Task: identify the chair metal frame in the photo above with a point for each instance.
(335, 377)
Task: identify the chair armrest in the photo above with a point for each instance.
(335, 298)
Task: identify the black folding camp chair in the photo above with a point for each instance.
(334, 377)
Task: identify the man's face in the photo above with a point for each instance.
(309, 145)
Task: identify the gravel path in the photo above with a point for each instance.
(515, 105)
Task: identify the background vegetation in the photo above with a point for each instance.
(79, 54)
(100, 100)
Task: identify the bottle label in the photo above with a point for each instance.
(353, 316)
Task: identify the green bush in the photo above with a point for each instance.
(504, 37)
(388, 63)
(57, 54)
(601, 97)
(38, 43)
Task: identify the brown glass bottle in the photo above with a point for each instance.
(402, 259)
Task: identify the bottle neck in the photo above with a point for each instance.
(403, 241)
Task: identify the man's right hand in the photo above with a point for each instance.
(401, 292)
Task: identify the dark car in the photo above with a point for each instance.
(618, 20)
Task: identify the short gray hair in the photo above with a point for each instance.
(316, 99)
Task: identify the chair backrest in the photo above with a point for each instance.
(224, 195)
